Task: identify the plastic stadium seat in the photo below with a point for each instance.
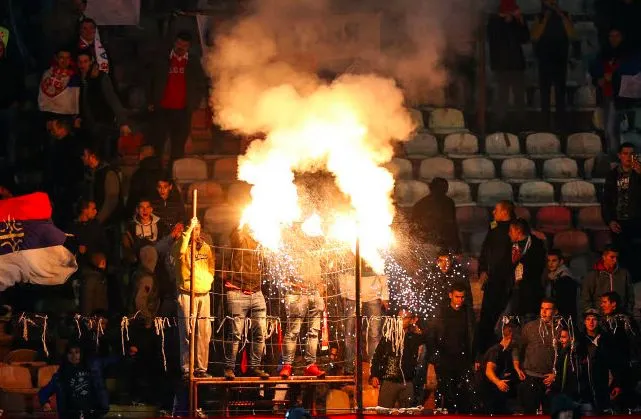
(478, 169)
(585, 97)
(461, 145)
(583, 145)
(551, 220)
(20, 355)
(472, 219)
(601, 239)
(201, 119)
(491, 192)
(522, 213)
(475, 243)
(436, 167)
(408, 192)
(460, 192)
(239, 194)
(578, 193)
(189, 170)
(226, 168)
(446, 120)
(571, 242)
(502, 144)
(590, 218)
(417, 118)
(15, 378)
(597, 119)
(536, 193)
(518, 169)
(542, 144)
(45, 373)
(209, 193)
(400, 168)
(421, 145)
(596, 174)
(560, 169)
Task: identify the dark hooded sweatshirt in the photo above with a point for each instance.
(599, 281)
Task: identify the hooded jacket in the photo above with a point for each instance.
(535, 349)
(397, 366)
(528, 292)
(611, 192)
(599, 281)
(596, 359)
(204, 269)
(144, 234)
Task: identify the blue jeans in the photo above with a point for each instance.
(372, 311)
(299, 307)
(241, 307)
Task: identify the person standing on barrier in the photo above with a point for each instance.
(304, 301)
(450, 344)
(375, 299)
(203, 279)
(245, 300)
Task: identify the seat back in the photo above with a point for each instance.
(189, 169)
(400, 168)
(45, 373)
(489, 193)
(518, 169)
(446, 120)
(536, 193)
(436, 167)
(578, 193)
(502, 144)
(408, 192)
(15, 378)
(542, 144)
(21, 355)
(560, 169)
(478, 169)
(421, 145)
(571, 242)
(461, 144)
(551, 220)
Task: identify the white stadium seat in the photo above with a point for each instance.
(536, 193)
(461, 145)
(478, 169)
(436, 167)
(560, 169)
(460, 192)
(578, 193)
(189, 169)
(542, 145)
(421, 145)
(518, 169)
(446, 120)
(491, 192)
(502, 144)
(400, 168)
(583, 145)
(408, 192)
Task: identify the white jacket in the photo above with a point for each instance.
(372, 287)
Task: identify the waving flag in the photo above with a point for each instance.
(31, 247)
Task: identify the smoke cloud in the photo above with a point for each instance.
(268, 69)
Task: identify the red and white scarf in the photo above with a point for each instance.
(55, 81)
(99, 52)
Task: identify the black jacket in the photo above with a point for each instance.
(441, 329)
(528, 292)
(610, 196)
(595, 362)
(387, 363)
(170, 211)
(435, 217)
(504, 41)
(143, 182)
(99, 103)
(564, 289)
(496, 261)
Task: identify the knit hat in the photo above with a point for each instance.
(508, 6)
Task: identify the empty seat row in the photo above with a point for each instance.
(440, 120)
(533, 193)
(191, 169)
(500, 145)
(480, 169)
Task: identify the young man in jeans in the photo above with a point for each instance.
(375, 298)
(244, 299)
(303, 301)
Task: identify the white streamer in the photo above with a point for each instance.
(159, 323)
(44, 334)
(25, 320)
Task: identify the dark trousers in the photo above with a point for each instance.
(532, 394)
(552, 74)
(172, 123)
(491, 310)
(629, 243)
(392, 392)
(455, 388)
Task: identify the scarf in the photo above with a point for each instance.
(55, 81)
(99, 52)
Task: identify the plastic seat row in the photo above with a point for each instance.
(480, 169)
(548, 220)
(533, 193)
(500, 145)
(191, 169)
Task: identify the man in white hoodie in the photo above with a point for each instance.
(59, 91)
(374, 298)
(142, 231)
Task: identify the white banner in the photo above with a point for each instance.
(114, 12)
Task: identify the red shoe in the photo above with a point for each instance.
(286, 371)
(313, 371)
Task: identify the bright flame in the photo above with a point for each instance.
(312, 226)
(345, 128)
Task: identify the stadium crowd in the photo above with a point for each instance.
(541, 331)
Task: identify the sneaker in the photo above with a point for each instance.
(313, 371)
(286, 371)
(201, 374)
(257, 372)
(229, 374)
